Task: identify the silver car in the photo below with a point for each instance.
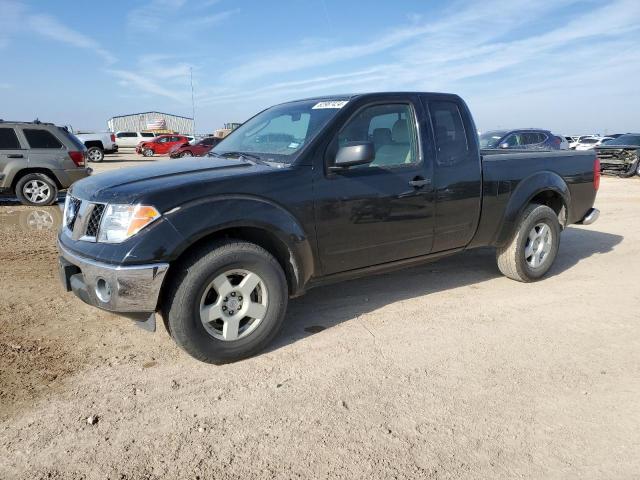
(39, 159)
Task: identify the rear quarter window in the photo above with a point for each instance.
(8, 139)
(77, 143)
(38, 138)
(450, 134)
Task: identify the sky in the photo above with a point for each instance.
(571, 66)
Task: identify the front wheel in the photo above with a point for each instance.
(147, 152)
(226, 302)
(534, 246)
(186, 153)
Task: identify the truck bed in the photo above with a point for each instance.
(503, 172)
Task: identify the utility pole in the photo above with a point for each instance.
(193, 103)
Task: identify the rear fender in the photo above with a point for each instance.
(522, 196)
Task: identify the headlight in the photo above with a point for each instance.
(120, 222)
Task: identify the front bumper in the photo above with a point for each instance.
(131, 291)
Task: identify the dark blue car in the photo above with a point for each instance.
(522, 139)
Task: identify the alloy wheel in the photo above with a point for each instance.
(233, 305)
(36, 191)
(539, 244)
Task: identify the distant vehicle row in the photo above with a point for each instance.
(133, 139)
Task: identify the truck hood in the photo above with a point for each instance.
(172, 181)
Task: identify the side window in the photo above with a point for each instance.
(164, 139)
(529, 138)
(8, 139)
(514, 140)
(451, 137)
(390, 127)
(127, 135)
(41, 138)
(145, 134)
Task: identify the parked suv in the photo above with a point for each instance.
(522, 139)
(132, 139)
(39, 159)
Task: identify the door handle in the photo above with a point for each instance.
(15, 155)
(419, 182)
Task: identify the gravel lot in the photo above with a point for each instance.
(447, 370)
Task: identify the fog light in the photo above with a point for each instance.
(103, 290)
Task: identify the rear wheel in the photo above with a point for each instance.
(533, 248)
(95, 154)
(36, 189)
(227, 302)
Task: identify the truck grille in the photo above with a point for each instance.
(94, 220)
(618, 161)
(72, 211)
(82, 219)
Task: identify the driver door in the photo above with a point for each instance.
(383, 211)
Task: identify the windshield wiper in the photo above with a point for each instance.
(238, 154)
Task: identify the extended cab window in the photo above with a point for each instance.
(144, 134)
(126, 135)
(41, 138)
(391, 129)
(451, 137)
(8, 139)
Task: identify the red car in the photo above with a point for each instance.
(197, 149)
(161, 145)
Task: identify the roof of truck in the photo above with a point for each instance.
(351, 96)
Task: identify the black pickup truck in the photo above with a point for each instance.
(305, 193)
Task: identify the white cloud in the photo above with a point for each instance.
(170, 16)
(50, 27)
(11, 13)
(146, 84)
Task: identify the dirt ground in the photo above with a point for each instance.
(445, 371)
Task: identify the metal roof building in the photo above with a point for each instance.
(137, 122)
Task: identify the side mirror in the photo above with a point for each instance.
(352, 154)
(504, 145)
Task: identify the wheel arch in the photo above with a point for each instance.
(26, 171)
(546, 188)
(94, 143)
(254, 220)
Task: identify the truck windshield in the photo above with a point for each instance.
(279, 133)
(491, 139)
(625, 140)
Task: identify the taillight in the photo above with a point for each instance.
(596, 174)
(113, 137)
(77, 157)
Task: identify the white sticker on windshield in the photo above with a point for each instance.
(294, 145)
(330, 104)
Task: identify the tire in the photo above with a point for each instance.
(95, 154)
(147, 152)
(186, 153)
(512, 258)
(192, 286)
(36, 189)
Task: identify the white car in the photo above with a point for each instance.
(591, 142)
(576, 139)
(132, 139)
